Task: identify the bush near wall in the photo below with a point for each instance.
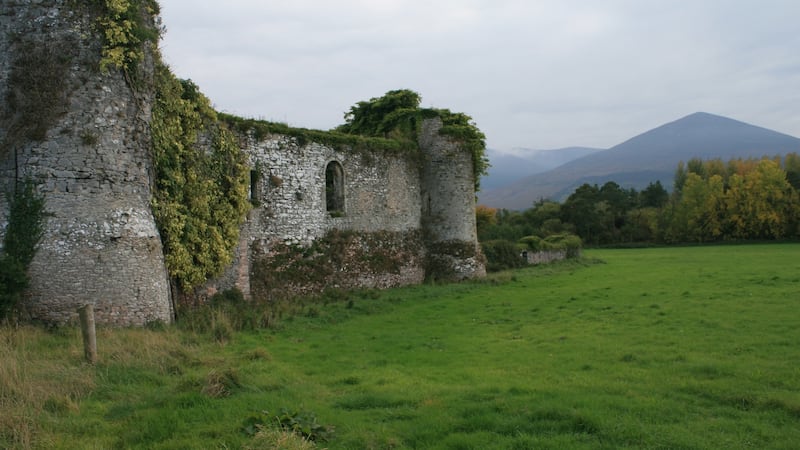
(569, 242)
(503, 254)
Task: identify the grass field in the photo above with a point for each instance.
(675, 348)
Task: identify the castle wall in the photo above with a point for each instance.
(381, 193)
(381, 203)
(324, 217)
(101, 245)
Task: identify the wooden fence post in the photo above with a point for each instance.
(86, 313)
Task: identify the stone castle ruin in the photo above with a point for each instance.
(322, 215)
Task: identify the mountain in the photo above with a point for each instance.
(650, 156)
(509, 167)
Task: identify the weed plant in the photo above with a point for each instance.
(639, 348)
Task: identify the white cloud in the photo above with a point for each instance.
(541, 74)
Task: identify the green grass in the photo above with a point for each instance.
(648, 348)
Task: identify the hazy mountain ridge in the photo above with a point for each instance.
(508, 167)
(647, 157)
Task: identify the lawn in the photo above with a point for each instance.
(693, 347)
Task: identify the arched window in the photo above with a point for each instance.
(334, 188)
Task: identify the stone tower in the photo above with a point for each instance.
(448, 206)
(82, 137)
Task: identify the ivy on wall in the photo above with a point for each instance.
(201, 194)
(26, 222)
(396, 116)
(125, 29)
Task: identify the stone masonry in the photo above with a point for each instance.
(101, 245)
(93, 166)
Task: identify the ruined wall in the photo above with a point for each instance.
(373, 241)
(91, 163)
(544, 256)
(404, 218)
(399, 218)
(381, 193)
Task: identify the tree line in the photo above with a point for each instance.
(711, 201)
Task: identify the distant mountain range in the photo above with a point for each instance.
(650, 156)
(507, 167)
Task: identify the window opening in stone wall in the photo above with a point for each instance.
(255, 183)
(334, 189)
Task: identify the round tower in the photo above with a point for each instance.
(82, 137)
(448, 206)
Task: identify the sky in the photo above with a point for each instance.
(536, 74)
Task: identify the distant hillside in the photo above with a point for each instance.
(648, 157)
(507, 167)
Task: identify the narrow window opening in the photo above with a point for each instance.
(334, 189)
(255, 191)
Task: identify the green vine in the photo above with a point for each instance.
(125, 28)
(201, 195)
(26, 226)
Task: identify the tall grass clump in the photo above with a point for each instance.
(41, 376)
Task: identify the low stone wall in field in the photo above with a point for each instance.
(544, 257)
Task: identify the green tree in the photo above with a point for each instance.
(642, 225)
(679, 179)
(696, 216)
(791, 164)
(581, 209)
(653, 196)
(544, 212)
(765, 201)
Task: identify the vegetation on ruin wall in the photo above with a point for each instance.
(38, 80)
(126, 29)
(289, 270)
(26, 221)
(200, 190)
(200, 197)
(37, 89)
(439, 261)
(387, 124)
(397, 115)
(261, 129)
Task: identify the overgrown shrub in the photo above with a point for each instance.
(303, 423)
(397, 115)
(569, 242)
(125, 28)
(26, 220)
(502, 255)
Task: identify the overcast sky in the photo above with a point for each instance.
(540, 74)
